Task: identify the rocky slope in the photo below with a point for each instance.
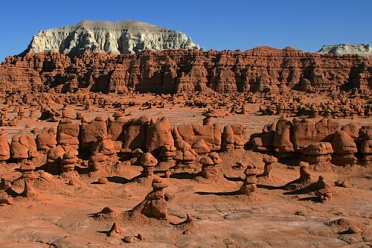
(262, 69)
(109, 37)
(360, 49)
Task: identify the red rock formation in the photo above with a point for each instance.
(262, 69)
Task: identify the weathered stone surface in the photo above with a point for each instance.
(91, 131)
(261, 69)
(4, 147)
(68, 132)
(344, 148)
(134, 133)
(283, 136)
(360, 49)
(306, 132)
(317, 152)
(110, 37)
(23, 147)
(211, 134)
(155, 204)
(46, 140)
(158, 134)
(115, 128)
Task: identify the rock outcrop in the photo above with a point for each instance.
(262, 69)
(360, 49)
(109, 37)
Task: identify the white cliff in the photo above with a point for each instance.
(109, 37)
(360, 49)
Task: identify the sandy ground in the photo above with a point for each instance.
(62, 215)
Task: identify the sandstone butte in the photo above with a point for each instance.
(261, 69)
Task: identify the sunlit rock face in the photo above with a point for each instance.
(360, 49)
(110, 37)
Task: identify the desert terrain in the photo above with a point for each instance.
(130, 135)
(78, 208)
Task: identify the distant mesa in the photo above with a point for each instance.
(109, 37)
(341, 49)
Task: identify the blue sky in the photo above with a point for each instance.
(218, 24)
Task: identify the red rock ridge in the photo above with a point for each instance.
(260, 69)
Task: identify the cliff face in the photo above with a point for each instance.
(341, 49)
(108, 37)
(261, 69)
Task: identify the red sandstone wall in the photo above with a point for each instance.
(169, 71)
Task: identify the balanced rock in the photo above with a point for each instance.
(148, 162)
(268, 160)
(249, 183)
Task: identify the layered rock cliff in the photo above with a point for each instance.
(108, 37)
(262, 69)
(360, 49)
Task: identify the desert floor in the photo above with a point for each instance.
(62, 215)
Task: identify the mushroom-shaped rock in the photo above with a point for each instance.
(283, 137)
(55, 154)
(303, 181)
(249, 184)
(366, 147)
(324, 190)
(158, 183)
(317, 152)
(147, 159)
(27, 170)
(148, 162)
(210, 166)
(268, 160)
(155, 204)
(168, 152)
(69, 161)
(19, 148)
(344, 148)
